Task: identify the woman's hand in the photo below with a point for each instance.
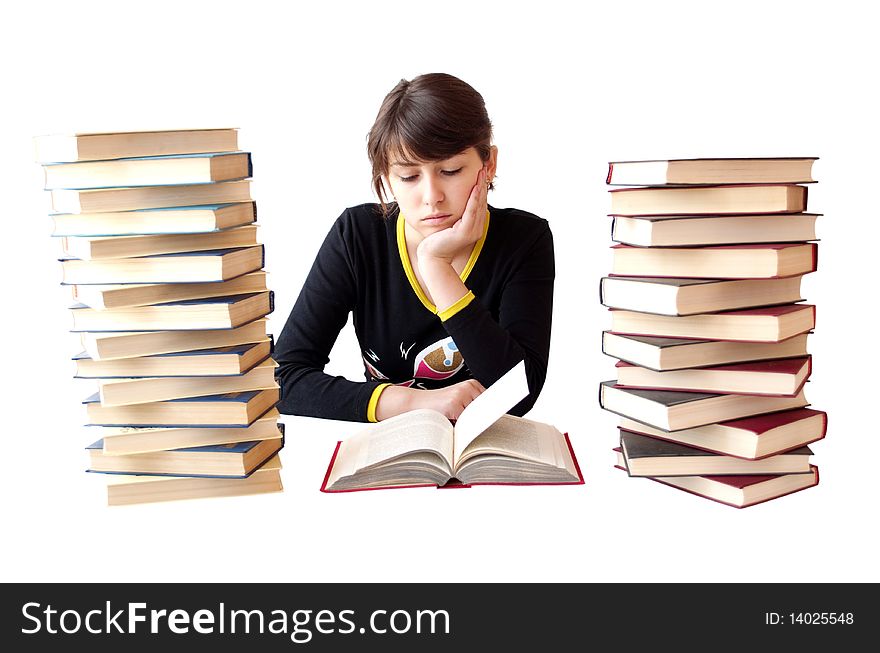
(449, 401)
(445, 244)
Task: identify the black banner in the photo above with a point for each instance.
(421, 616)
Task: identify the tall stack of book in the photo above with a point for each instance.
(161, 255)
(709, 326)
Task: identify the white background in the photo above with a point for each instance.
(568, 90)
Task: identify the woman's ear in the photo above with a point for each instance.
(492, 163)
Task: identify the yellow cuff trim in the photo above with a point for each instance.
(374, 401)
(457, 306)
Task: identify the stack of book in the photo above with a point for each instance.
(161, 255)
(709, 325)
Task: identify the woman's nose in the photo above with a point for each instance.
(432, 192)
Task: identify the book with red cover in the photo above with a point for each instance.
(453, 483)
(751, 261)
(775, 378)
(738, 491)
(752, 438)
(768, 324)
(486, 446)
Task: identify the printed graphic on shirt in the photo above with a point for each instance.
(436, 362)
(404, 353)
(371, 369)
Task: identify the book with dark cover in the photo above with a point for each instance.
(777, 378)
(200, 218)
(710, 171)
(647, 456)
(245, 407)
(126, 489)
(250, 456)
(176, 316)
(124, 440)
(674, 410)
(106, 200)
(126, 368)
(677, 296)
(147, 390)
(179, 267)
(697, 230)
(664, 354)
(131, 172)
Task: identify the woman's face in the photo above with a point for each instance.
(432, 196)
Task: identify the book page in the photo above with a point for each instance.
(483, 411)
(517, 437)
(418, 430)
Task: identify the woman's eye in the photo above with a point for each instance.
(408, 178)
(449, 173)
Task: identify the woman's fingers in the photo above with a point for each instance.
(475, 209)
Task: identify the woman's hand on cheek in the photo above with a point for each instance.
(445, 244)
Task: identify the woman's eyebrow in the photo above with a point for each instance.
(415, 164)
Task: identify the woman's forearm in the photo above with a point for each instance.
(442, 282)
(394, 400)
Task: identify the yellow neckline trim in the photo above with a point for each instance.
(408, 269)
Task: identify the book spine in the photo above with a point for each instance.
(271, 301)
(271, 339)
(602, 291)
(254, 205)
(250, 165)
(610, 170)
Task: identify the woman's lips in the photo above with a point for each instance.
(437, 217)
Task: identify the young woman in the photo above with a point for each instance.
(447, 292)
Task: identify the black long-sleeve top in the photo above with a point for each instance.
(363, 267)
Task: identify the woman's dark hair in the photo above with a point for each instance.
(430, 118)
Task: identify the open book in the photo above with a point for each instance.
(485, 446)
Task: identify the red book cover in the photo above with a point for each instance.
(779, 366)
(758, 425)
(772, 311)
(740, 482)
(788, 366)
(763, 423)
(709, 247)
(453, 484)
